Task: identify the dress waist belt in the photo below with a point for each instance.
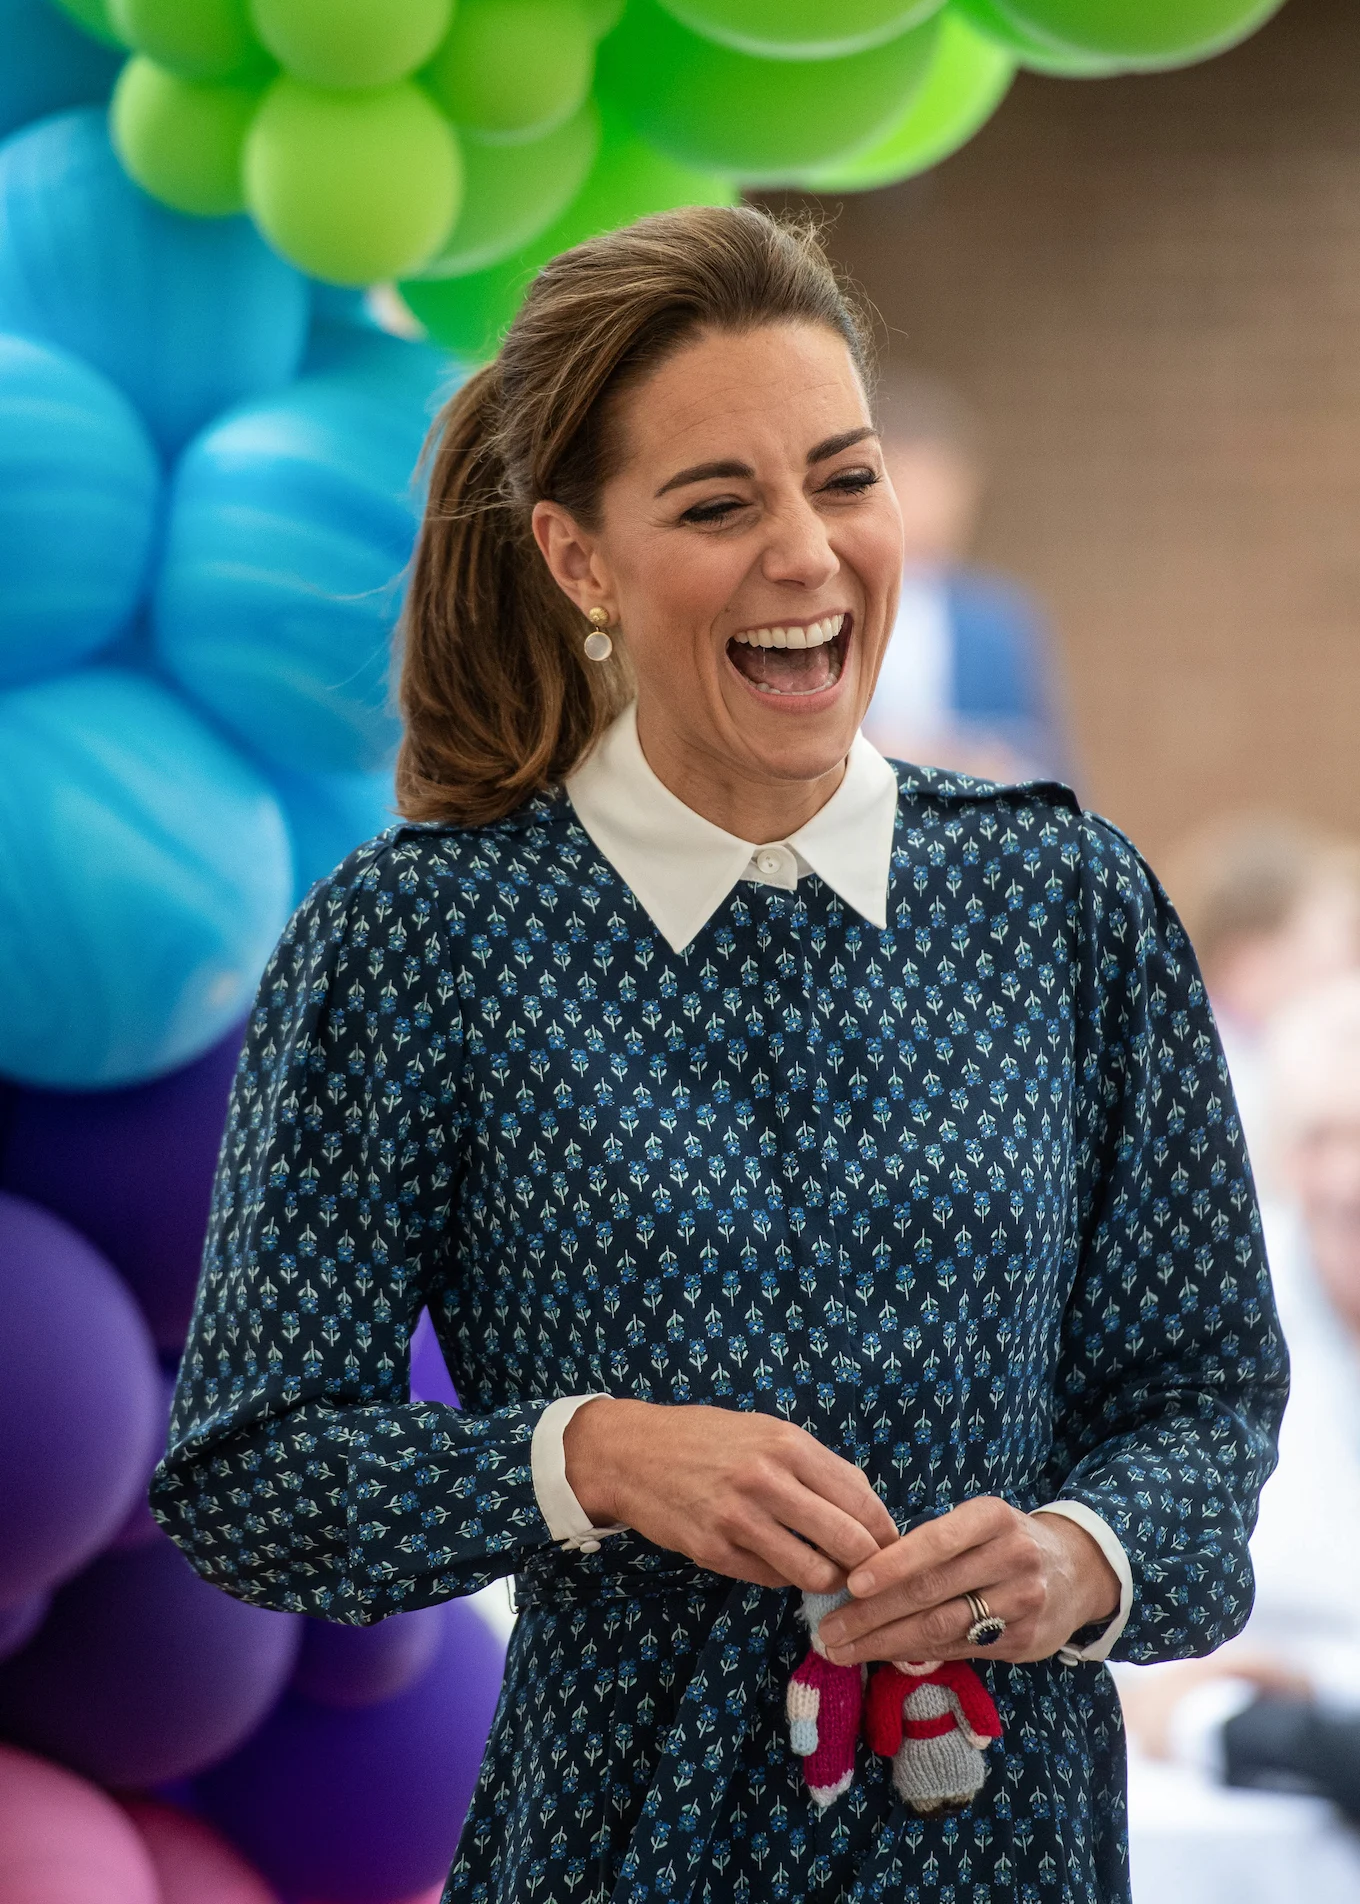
(559, 1579)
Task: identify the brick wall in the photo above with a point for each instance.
(1150, 290)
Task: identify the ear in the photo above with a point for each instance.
(573, 558)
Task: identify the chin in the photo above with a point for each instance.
(806, 748)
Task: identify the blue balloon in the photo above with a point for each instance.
(185, 315)
(358, 355)
(329, 815)
(80, 486)
(291, 524)
(145, 874)
(48, 64)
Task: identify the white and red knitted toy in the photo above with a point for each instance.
(934, 1719)
(824, 1705)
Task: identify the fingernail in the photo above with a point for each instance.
(831, 1638)
(861, 1582)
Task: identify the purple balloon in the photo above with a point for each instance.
(133, 1171)
(353, 1666)
(143, 1672)
(363, 1807)
(19, 1622)
(80, 1400)
(430, 1380)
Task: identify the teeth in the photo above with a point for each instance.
(820, 632)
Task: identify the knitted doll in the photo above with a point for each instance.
(932, 1718)
(824, 1704)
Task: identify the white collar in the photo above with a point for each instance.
(681, 867)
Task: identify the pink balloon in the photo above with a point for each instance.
(63, 1842)
(194, 1863)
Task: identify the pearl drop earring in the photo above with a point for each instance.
(598, 645)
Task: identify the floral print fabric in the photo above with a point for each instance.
(967, 1198)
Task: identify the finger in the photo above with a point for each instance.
(841, 1534)
(842, 1485)
(774, 1524)
(937, 1542)
(769, 1556)
(1010, 1558)
(801, 1565)
(736, 1563)
(941, 1632)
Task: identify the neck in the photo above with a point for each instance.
(751, 805)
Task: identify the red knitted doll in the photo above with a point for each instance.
(824, 1703)
(933, 1719)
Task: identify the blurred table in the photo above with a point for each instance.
(1192, 1842)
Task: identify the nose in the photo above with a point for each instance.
(798, 552)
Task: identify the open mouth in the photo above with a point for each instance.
(799, 659)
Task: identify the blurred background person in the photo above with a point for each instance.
(968, 679)
(1278, 1709)
(1272, 908)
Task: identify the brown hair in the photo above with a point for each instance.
(497, 698)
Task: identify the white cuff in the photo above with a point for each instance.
(568, 1522)
(1108, 1542)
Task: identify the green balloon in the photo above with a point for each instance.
(969, 77)
(351, 42)
(801, 29)
(199, 39)
(181, 139)
(513, 69)
(1036, 56)
(763, 121)
(602, 16)
(1145, 35)
(352, 187)
(513, 192)
(93, 15)
(628, 180)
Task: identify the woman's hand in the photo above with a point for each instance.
(1041, 1573)
(734, 1491)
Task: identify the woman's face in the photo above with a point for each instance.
(750, 550)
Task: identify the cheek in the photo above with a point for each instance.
(873, 548)
(671, 597)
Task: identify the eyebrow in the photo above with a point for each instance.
(819, 453)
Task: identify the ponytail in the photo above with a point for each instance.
(498, 699)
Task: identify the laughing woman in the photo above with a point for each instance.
(822, 1174)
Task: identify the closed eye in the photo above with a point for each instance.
(716, 510)
(852, 482)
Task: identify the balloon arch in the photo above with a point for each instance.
(207, 504)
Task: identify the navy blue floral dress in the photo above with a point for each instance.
(966, 1198)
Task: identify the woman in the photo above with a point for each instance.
(854, 1138)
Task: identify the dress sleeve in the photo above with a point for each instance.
(300, 1475)
(1172, 1374)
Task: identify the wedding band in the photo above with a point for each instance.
(987, 1626)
